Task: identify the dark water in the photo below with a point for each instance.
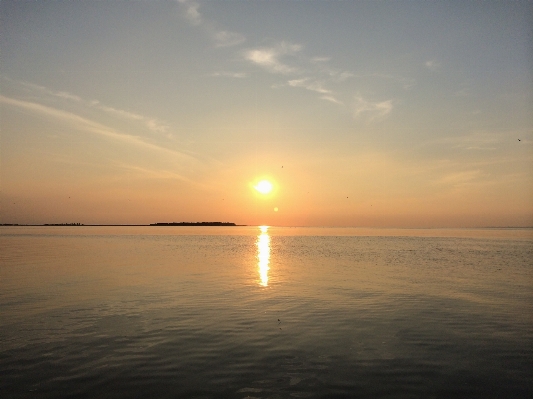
(284, 313)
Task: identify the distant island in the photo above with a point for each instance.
(130, 225)
(194, 224)
(63, 224)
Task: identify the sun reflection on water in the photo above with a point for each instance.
(263, 254)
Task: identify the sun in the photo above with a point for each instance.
(264, 187)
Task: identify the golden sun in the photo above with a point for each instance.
(264, 187)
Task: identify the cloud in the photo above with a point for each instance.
(156, 126)
(150, 173)
(320, 59)
(321, 66)
(152, 124)
(371, 109)
(286, 58)
(238, 75)
(269, 58)
(309, 84)
(316, 86)
(474, 141)
(432, 65)
(342, 76)
(222, 38)
(331, 99)
(460, 178)
(407, 83)
(68, 96)
(191, 11)
(225, 39)
(80, 123)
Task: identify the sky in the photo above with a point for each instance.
(360, 113)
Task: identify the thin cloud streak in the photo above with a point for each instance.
(332, 99)
(157, 174)
(477, 140)
(238, 75)
(460, 178)
(269, 58)
(226, 39)
(152, 124)
(87, 125)
(371, 109)
(407, 83)
(222, 38)
(309, 84)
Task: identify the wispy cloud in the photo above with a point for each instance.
(68, 96)
(341, 76)
(474, 141)
(320, 59)
(225, 39)
(153, 174)
(407, 83)
(297, 70)
(287, 59)
(432, 65)
(221, 37)
(317, 75)
(84, 124)
(309, 84)
(316, 86)
(371, 109)
(152, 124)
(191, 11)
(238, 75)
(460, 178)
(269, 58)
(331, 99)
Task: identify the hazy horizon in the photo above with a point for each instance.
(359, 114)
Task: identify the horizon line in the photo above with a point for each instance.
(230, 224)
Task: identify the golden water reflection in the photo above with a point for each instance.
(263, 254)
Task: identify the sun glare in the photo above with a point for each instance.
(264, 187)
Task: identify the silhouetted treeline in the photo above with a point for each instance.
(194, 224)
(63, 224)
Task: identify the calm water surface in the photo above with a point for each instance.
(245, 312)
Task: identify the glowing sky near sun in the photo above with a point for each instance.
(396, 113)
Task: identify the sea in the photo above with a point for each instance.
(265, 312)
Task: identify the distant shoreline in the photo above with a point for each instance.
(194, 224)
(209, 224)
(229, 224)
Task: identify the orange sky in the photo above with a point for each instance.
(111, 116)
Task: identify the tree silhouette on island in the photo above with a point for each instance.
(194, 224)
